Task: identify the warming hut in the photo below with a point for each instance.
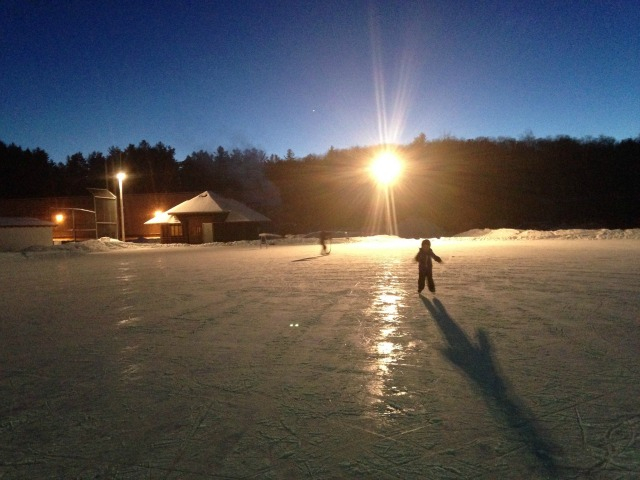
(17, 233)
(207, 218)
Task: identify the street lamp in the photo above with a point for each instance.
(121, 176)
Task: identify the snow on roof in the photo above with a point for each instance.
(162, 218)
(24, 222)
(241, 213)
(209, 202)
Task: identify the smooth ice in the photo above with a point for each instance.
(237, 362)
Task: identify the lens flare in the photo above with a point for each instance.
(386, 168)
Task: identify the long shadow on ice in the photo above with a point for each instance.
(477, 362)
(308, 258)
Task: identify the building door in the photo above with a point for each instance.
(195, 232)
(207, 233)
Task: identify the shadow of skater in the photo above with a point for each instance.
(476, 361)
(307, 259)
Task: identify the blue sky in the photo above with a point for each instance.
(83, 76)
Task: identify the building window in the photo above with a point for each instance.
(175, 230)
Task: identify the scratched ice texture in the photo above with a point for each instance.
(235, 361)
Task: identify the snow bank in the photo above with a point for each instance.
(569, 234)
(107, 244)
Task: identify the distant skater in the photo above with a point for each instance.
(323, 242)
(425, 266)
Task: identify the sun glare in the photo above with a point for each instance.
(386, 168)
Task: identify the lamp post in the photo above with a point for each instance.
(121, 176)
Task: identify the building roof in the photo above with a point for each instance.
(209, 202)
(161, 218)
(102, 193)
(24, 222)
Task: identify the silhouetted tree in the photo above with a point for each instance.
(198, 172)
(27, 173)
(150, 169)
(451, 183)
(290, 155)
(98, 172)
(75, 174)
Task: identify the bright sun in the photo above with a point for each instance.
(386, 168)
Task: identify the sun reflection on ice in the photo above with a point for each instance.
(386, 316)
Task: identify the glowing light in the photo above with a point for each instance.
(157, 213)
(386, 350)
(386, 168)
(121, 176)
(59, 218)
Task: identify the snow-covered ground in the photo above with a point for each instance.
(233, 361)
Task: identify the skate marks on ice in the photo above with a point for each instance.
(206, 378)
(611, 447)
(477, 362)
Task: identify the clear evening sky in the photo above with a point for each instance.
(83, 76)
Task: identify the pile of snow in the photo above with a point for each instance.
(107, 244)
(569, 234)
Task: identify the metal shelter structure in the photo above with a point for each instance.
(74, 227)
(106, 212)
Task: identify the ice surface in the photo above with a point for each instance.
(234, 361)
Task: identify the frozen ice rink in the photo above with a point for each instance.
(236, 362)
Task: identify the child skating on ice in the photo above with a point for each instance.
(425, 266)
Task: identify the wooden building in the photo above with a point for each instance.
(138, 207)
(18, 233)
(207, 218)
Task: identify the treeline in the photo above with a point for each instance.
(451, 185)
(448, 185)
